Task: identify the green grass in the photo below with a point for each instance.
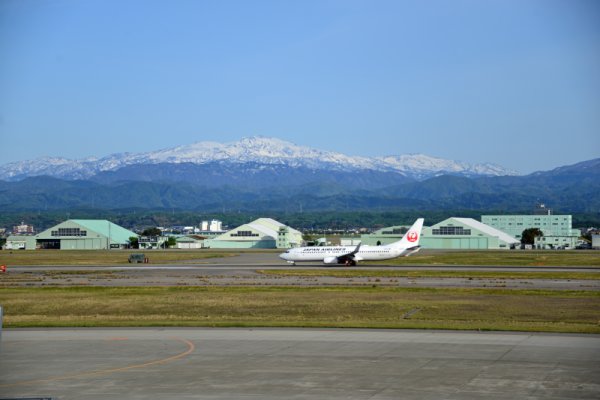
(500, 257)
(105, 257)
(431, 257)
(370, 273)
(378, 307)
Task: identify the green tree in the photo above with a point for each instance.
(528, 236)
(152, 232)
(134, 243)
(171, 242)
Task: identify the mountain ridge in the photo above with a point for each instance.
(271, 174)
(263, 189)
(256, 149)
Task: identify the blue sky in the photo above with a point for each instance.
(513, 82)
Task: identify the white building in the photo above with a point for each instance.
(210, 229)
(190, 242)
(20, 242)
(23, 229)
(211, 226)
(557, 230)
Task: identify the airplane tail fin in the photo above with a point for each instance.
(412, 236)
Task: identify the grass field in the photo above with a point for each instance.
(360, 307)
(373, 307)
(424, 273)
(501, 257)
(105, 257)
(431, 257)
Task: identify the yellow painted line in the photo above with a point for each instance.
(189, 350)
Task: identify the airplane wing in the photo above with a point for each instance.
(355, 250)
(343, 258)
(351, 254)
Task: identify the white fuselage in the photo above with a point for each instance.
(368, 253)
(350, 255)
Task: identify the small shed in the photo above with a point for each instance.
(190, 242)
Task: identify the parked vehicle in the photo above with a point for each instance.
(138, 258)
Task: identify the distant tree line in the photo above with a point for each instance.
(140, 220)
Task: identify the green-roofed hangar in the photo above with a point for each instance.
(452, 233)
(263, 233)
(84, 234)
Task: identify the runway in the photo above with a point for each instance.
(253, 261)
(254, 266)
(243, 271)
(296, 363)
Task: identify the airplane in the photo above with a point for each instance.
(350, 255)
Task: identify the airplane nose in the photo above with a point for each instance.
(284, 256)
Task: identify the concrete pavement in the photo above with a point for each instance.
(196, 363)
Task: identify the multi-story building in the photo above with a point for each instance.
(557, 229)
(23, 229)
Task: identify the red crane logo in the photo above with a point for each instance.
(412, 236)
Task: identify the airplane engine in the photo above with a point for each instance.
(330, 260)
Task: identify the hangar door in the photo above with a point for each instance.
(82, 244)
(49, 244)
(469, 243)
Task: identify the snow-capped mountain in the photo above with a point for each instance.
(421, 166)
(255, 150)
